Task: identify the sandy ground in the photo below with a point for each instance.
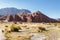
(32, 29)
(1, 35)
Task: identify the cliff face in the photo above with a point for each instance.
(30, 17)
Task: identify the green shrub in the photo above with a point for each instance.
(15, 28)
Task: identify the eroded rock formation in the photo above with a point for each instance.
(30, 17)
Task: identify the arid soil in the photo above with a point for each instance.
(31, 31)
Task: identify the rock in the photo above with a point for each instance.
(38, 37)
(9, 18)
(40, 17)
(29, 18)
(16, 17)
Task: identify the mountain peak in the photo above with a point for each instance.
(13, 10)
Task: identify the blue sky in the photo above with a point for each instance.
(50, 8)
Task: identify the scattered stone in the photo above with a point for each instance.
(38, 37)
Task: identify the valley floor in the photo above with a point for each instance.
(31, 31)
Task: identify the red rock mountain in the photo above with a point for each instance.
(30, 17)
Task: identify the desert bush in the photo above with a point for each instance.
(6, 26)
(55, 24)
(42, 29)
(15, 28)
(6, 31)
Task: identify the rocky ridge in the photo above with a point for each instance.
(29, 17)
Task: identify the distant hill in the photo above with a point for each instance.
(23, 15)
(13, 11)
(32, 17)
(58, 19)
